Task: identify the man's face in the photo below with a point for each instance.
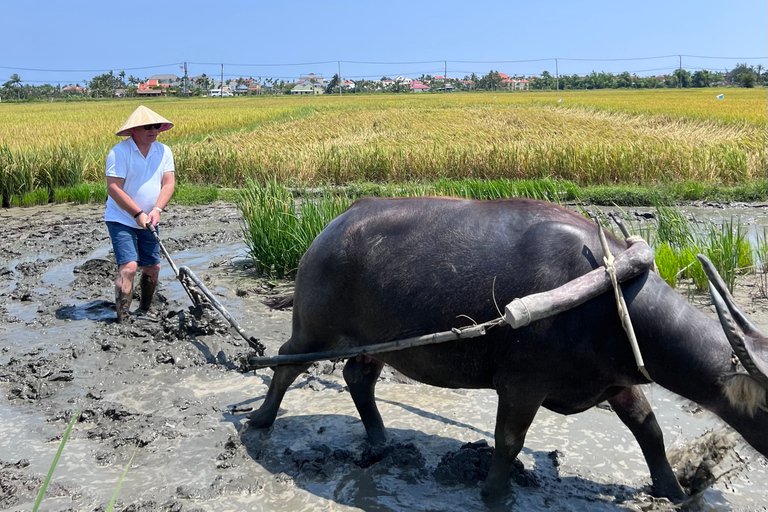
(144, 137)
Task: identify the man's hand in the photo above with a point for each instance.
(142, 220)
(153, 217)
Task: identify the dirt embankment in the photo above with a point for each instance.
(167, 390)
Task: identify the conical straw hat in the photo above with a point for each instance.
(143, 116)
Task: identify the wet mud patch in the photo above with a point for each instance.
(95, 273)
(701, 462)
(34, 378)
(116, 426)
(19, 485)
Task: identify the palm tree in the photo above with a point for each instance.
(15, 81)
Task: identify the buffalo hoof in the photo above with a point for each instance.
(495, 494)
(259, 419)
(673, 493)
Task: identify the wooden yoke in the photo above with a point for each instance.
(635, 260)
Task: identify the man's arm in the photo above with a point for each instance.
(167, 186)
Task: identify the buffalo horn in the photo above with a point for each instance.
(742, 346)
(744, 323)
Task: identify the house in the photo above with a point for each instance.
(222, 92)
(163, 79)
(307, 88)
(151, 88)
(417, 86)
(312, 78)
(74, 89)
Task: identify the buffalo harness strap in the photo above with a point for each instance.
(626, 321)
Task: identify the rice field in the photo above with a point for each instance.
(590, 138)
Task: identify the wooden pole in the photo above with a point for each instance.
(428, 339)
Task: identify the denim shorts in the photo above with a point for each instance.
(133, 244)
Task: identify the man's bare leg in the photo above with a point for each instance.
(149, 276)
(124, 289)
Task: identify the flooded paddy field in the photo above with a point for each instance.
(167, 390)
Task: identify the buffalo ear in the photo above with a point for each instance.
(745, 393)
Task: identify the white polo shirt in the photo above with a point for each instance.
(143, 177)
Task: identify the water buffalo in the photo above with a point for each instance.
(389, 269)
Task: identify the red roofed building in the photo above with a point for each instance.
(151, 88)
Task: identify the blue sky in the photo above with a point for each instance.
(73, 41)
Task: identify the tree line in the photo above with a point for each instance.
(105, 85)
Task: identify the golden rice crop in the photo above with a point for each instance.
(590, 137)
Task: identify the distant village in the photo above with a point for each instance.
(310, 84)
(119, 85)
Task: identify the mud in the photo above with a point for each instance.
(167, 390)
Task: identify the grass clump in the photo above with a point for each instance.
(677, 241)
(761, 263)
(278, 230)
(82, 193)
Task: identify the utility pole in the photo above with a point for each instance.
(445, 75)
(221, 85)
(557, 78)
(680, 73)
(185, 79)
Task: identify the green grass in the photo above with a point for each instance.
(761, 262)
(62, 443)
(677, 241)
(81, 193)
(549, 189)
(276, 232)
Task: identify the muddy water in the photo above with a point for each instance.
(167, 392)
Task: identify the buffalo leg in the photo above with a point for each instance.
(361, 373)
(281, 380)
(516, 411)
(634, 410)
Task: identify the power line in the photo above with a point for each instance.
(89, 70)
(259, 65)
(380, 63)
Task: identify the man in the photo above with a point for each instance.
(140, 182)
